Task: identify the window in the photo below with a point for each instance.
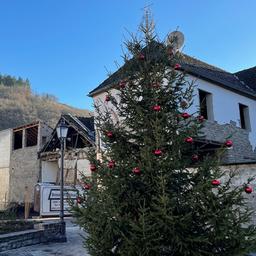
(31, 136)
(205, 104)
(244, 117)
(17, 139)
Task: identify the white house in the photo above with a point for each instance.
(226, 100)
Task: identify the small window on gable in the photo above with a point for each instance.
(205, 104)
(17, 139)
(244, 117)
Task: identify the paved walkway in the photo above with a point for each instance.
(73, 247)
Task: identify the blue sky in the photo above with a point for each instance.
(64, 47)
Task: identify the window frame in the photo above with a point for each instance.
(208, 97)
(244, 116)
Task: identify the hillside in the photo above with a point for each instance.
(18, 105)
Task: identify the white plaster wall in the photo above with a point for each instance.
(5, 154)
(83, 166)
(99, 99)
(49, 171)
(225, 104)
(5, 148)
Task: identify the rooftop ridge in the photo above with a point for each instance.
(243, 70)
(204, 64)
(247, 77)
(196, 68)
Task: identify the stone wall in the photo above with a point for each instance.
(245, 171)
(241, 152)
(43, 233)
(24, 172)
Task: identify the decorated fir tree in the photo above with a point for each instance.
(152, 191)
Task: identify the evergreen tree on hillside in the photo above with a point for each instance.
(152, 192)
(10, 81)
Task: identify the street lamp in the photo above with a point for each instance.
(62, 131)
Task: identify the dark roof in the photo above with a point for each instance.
(87, 121)
(218, 76)
(196, 68)
(248, 76)
(83, 125)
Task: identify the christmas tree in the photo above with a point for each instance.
(152, 191)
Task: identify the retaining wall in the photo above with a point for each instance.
(43, 233)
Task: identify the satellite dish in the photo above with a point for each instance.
(175, 39)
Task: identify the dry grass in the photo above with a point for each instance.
(18, 106)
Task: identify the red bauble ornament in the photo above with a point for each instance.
(177, 66)
(215, 182)
(156, 108)
(111, 164)
(107, 98)
(141, 56)
(158, 152)
(87, 186)
(195, 158)
(110, 134)
(200, 119)
(189, 140)
(79, 200)
(185, 115)
(229, 143)
(122, 84)
(136, 170)
(93, 167)
(248, 189)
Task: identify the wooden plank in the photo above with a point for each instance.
(26, 126)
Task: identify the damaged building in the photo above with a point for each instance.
(80, 138)
(19, 163)
(30, 155)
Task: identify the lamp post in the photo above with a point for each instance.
(62, 131)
